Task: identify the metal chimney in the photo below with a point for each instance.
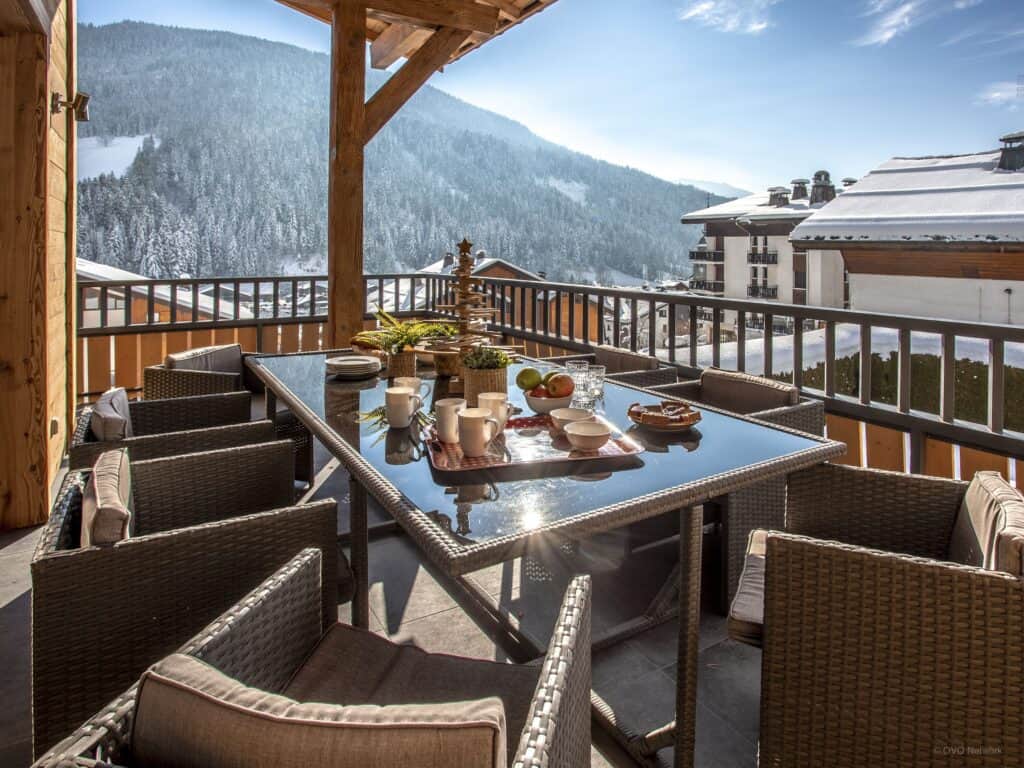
(800, 188)
(849, 181)
(1012, 158)
(822, 190)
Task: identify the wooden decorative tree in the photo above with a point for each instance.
(469, 302)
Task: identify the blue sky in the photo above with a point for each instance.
(749, 92)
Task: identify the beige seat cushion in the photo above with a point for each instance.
(989, 528)
(225, 358)
(107, 501)
(743, 393)
(746, 614)
(354, 666)
(190, 715)
(111, 416)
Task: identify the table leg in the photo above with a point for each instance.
(690, 540)
(360, 553)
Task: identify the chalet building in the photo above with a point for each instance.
(746, 250)
(932, 236)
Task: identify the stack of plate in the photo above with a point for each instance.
(353, 367)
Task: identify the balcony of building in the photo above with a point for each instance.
(762, 291)
(763, 257)
(706, 256)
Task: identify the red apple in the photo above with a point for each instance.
(539, 391)
(561, 385)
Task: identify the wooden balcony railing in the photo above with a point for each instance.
(905, 393)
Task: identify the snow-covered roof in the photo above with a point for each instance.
(962, 198)
(753, 208)
(86, 270)
(439, 267)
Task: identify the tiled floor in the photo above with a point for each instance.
(412, 603)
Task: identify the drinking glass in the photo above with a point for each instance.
(596, 381)
(580, 372)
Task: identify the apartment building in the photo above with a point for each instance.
(746, 252)
(932, 236)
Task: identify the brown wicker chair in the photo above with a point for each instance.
(877, 649)
(614, 360)
(160, 382)
(762, 505)
(208, 527)
(175, 426)
(271, 636)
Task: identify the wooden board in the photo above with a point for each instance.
(270, 339)
(847, 431)
(885, 448)
(972, 461)
(127, 371)
(289, 338)
(938, 458)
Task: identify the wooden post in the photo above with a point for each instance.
(345, 300)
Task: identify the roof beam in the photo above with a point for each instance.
(459, 14)
(395, 42)
(508, 7)
(432, 55)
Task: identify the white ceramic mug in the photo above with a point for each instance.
(447, 411)
(401, 404)
(497, 404)
(415, 383)
(477, 428)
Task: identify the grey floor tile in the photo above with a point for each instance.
(451, 631)
(619, 663)
(641, 703)
(402, 587)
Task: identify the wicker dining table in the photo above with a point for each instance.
(544, 508)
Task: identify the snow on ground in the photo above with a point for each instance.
(883, 341)
(98, 155)
(574, 190)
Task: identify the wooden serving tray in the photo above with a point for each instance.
(531, 442)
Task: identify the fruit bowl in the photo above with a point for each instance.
(546, 404)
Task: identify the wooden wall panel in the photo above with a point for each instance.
(224, 336)
(203, 338)
(177, 341)
(270, 339)
(98, 364)
(151, 349)
(127, 371)
(972, 461)
(938, 458)
(289, 338)
(846, 431)
(310, 337)
(248, 338)
(987, 263)
(885, 448)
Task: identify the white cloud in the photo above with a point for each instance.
(1002, 94)
(749, 17)
(961, 5)
(892, 20)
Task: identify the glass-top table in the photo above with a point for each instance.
(485, 520)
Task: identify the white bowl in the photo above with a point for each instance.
(546, 404)
(563, 416)
(587, 435)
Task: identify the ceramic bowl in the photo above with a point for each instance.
(563, 416)
(588, 435)
(546, 404)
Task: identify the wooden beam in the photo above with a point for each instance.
(432, 55)
(395, 42)
(345, 186)
(508, 7)
(27, 15)
(460, 14)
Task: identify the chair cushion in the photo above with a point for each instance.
(989, 528)
(190, 715)
(743, 393)
(107, 501)
(746, 614)
(111, 416)
(354, 666)
(226, 358)
(617, 360)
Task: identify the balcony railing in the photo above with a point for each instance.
(932, 399)
(763, 291)
(713, 286)
(715, 257)
(762, 257)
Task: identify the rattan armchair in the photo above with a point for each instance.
(208, 527)
(762, 505)
(614, 360)
(175, 426)
(268, 638)
(877, 649)
(160, 382)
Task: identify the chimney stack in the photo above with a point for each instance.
(778, 197)
(822, 190)
(799, 188)
(449, 262)
(481, 255)
(849, 181)
(1012, 158)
